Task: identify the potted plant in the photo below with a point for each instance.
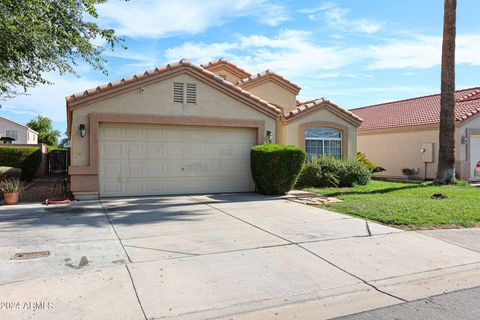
(11, 189)
(408, 173)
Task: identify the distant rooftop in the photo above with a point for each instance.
(417, 111)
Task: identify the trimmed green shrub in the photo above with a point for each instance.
(330, 172)
(309, 175)
(10, 173)
(370, 164)
(275, 167)
(26, 158)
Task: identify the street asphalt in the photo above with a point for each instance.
(462, 304)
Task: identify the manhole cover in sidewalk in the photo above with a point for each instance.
(30, 255)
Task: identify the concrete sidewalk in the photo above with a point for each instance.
(241, 256)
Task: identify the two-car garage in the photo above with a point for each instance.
(167, 159)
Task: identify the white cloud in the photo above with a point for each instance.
(323, 7)
(468, 47)
(337, 18)
(292, 53)
(48, 100)
(162, 18)
(423, 52)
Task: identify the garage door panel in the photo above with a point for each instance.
(225, 168)
(154, 150)
(155, 160)
(110, 133)
(245, 184)
(134, 133)
(242, 152)
(134, 150)
(154, 134)
(134, 186)
(134, 168)
(111, 168)
(226, 151)
(154, 187)
(193, 135)
(172, 150)
(155, 168)
(173, 168)
(173, 135)
(112, 150)
(195, 168)
(174, 185)
(242, 166)
(112, 186)
(193, 151)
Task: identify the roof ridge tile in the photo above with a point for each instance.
(266, 73)
(171, 66)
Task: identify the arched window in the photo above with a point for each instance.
(323, 142)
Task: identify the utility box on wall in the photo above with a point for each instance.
(427, 152)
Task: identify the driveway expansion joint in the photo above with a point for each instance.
(115, 231)
(136, 293)
(305, 249)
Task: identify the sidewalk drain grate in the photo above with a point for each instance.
(31, 255)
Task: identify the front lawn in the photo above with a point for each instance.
(409, 205)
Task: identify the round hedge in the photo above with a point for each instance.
(275, 167)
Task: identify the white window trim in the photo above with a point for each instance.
(326, 139)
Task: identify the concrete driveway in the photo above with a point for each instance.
(241, 256)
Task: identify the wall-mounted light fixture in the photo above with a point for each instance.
(269, 136)
(464, 140)
(83, 130)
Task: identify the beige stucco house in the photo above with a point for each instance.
(404, 134)
(21, 133)
(185, 129)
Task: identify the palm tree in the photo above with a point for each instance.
(446, 154)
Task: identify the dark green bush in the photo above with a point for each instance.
(10, 173)
(275, 168)
(309, 175)
(26, 158)
(330, 172)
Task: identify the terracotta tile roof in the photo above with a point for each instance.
(309, 106)
(217, 63)
(76, 97)
(417, 111)
(265, 75)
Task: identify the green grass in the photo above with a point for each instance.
(409, 205)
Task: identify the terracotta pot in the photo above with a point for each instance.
(10, 197)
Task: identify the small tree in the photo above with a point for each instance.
(39, 36)
(46, 133)
(65, 142)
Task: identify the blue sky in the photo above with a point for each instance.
(354, 52)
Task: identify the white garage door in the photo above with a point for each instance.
(156, 160)
(474, 154)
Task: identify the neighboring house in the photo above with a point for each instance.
(185, 129)
(404, 134)
(22, 134)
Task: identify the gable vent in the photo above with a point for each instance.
(178, 92)
(191, 95)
